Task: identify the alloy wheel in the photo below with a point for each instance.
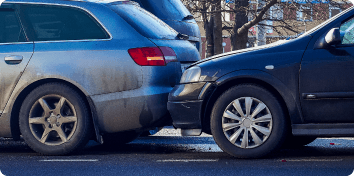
(247, 122)
(52, 120)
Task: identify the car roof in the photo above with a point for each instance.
(58, 1)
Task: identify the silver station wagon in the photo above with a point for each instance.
(74, 71)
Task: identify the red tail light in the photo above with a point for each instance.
(152, 56)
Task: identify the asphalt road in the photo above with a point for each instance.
(168, 154)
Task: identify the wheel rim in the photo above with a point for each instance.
(52, 120)
(247, 122)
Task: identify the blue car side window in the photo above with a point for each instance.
(10, 28)
(53, 23)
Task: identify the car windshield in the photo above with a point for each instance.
(144, 22)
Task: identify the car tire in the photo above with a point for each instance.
(262, 117)
(117, 139)
(297, 141)
(54, 120)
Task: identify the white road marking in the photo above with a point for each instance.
(312, 160)
(188, 160)
(70, 160)
(343, 138)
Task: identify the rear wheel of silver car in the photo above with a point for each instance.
(54, 120)
(247, 121)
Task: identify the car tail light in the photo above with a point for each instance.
(152, 56)
(169, 54)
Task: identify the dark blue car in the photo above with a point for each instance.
(256, 100)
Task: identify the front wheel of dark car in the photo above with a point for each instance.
(54, 120)
(247, 121)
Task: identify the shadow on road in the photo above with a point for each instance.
(194, 146)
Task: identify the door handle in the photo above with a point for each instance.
(13, 59)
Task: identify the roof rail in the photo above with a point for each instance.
(108, 1)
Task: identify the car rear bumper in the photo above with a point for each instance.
(140, 108)
(131, 110)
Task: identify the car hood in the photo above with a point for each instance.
(278, 54)
(242, 51)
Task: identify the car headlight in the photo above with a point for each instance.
(191, 75)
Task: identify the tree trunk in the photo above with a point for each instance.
(218, 49)
(239, 41)
(239, 38)
(208, 26)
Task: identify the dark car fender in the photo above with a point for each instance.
(263, 79)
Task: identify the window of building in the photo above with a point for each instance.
(289, 13)
(225, 15)
(276, 12)
(269, 27)
(51, 22)
(304, 13)
(333, 11)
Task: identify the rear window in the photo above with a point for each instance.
(144, 22)
(166, 9)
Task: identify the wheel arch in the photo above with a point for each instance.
(260, 78)
(14, 118)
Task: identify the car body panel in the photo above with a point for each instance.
(191, 118)
(11, 72)
(285, 68)
(320, 75)
(229, 68)
(291, 99)
(120, 73)
(183, 100)
(327, 74)
(185, 92)
(139, 107)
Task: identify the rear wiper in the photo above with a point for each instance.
(182, 36)
(188, 17)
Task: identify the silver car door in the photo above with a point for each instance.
(15, 52)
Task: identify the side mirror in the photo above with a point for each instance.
(333, 37)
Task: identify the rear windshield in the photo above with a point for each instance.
(166, 9)
(144, 22)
